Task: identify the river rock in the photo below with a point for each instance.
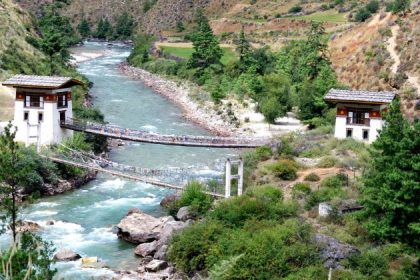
(184, 214)
(167, 200)
(146, 249)
(169, 228)
(140, 228)
(66, 255)
(161, 253)
(333, 251)
(27, 226)
(156, 265)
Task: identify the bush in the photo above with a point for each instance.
(300, 190)
(193, 197)
(327, 162)
(263, 153)
(372, 6)
(322, 195)
(312, 177)
(189, 250)
(333, 182)
(260, 203)
(295, 9)
(284, 169)
(362, 15)
(371, 263)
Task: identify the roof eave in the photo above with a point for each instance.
(356, 101)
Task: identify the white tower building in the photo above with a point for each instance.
(41, 103)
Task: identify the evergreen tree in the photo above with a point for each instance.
(84, 28)
(51, 44)
(206, 46)
(104, 29)
(245, 52)
(180, 26)
(391, 191)
(124, 26)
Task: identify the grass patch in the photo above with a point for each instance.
(185, 52)
(326, 16)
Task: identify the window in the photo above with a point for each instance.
(365, 134)
(34, 101)
(62, 116)
(25, 116)
(349, 132)
(62, 101)
(358, 116)
(40, 117)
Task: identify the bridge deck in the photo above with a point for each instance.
(150, 137)
(123, 175)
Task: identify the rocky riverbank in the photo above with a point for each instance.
(152, 236)
(204, 115)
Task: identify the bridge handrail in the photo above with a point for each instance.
(143, 134)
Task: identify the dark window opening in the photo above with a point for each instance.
(62, 116)
(358, 116)
(25, 116)
(34, 101)
(365, 134)
(40, 117)
(62, 101)
(349, 132)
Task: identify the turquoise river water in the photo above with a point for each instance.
(85, 217)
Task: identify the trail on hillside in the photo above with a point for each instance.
(392, 43)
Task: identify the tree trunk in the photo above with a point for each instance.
(14, 212)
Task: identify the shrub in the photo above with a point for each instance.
(312, 177)
(295, 9)
(362, 15)
(322, 195)
(284, 169)
(300, 190)
(371, 263)
(328, 161)
(189, 250)
(263, 153)
(372, 6)
(193, 197)
(260, 203)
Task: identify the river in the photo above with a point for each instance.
(84, 217)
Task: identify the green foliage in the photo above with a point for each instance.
(371, 263)
(312, 177)
(104, 29)
(194, 197)
(400, 6)
(84, 28)
(275, 96)
(322, 195)
(140, 53)
(300, 190)
(391, 190)
(362, 15)
(263, 153)
(180, 26)
(309, 68)
(327, 162)
(148, 4)
(29, 258)
(259, 203)
(372, 6)
(244, 49)
(295, 9)
(206, 46)
(333, 182)
(285, 169)
(124, 26)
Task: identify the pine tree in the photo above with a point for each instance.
(84, 28)
(124, 26)
(206, 46)
(104, 29)
(245, 52)
(391, 191)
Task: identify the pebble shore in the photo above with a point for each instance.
(204, 116)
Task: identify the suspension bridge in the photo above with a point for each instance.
(151, 176)
(113, 131)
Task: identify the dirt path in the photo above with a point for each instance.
(392, 43)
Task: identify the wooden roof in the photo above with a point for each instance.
(359, 96)
(47, 82)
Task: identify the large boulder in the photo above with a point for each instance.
(333, 251)
(66, 255)
(139, 227)
(184, 214)
(167, 200)
(27, 226)
(146, 249)
(156, 265)
(161, 253)
(168, 229)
